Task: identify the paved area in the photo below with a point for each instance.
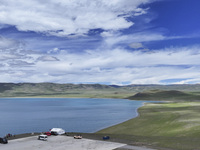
(129, 147)
(65, 143)
(59, 143)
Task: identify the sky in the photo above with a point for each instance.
(99, 41)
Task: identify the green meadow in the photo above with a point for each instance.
(163, 125)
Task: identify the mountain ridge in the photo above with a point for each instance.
(94, 90)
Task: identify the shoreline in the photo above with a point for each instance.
(138, 115)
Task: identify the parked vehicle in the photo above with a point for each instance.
(77, 137)
(3, 140)
(57, 131)
(54, 133)
(48, 133)
(106, 137)
(42, 137)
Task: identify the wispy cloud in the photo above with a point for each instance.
(116, 66)
(114, 39)
(6, 43)
(47, 58)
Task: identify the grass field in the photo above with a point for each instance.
(169, 125)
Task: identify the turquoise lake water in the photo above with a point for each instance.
(26, 115)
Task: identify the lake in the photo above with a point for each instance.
(26, 115)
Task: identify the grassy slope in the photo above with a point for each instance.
(170, 125)
(62, 90)
(165, 95)
(147, 92)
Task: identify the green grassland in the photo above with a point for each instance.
(171, 95)
(165, 125)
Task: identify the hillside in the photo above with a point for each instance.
(165, 126)
(48, 89)
(136, 92)
(165, 95)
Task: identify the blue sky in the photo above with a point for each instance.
(99, 41)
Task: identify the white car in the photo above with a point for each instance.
(77, 137)
(42, 137)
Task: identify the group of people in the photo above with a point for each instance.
(9, 135)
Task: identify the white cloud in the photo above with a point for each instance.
(6, 43)
(12, 50)
(140, 11)
(116, 66)
(136, 40)
(47, 58)
(136, 45)
(112, 39)
(62, 18)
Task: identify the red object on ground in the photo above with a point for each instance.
(48, 133)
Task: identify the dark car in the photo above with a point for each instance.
(106, 137)
(54, 133)
(3, 140)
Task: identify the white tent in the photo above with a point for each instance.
(58, 131)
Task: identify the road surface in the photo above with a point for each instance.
(63, 143)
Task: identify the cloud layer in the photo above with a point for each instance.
(88, 41)
(113, 66)
(66, 17)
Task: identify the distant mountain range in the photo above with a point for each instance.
(139, 92)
